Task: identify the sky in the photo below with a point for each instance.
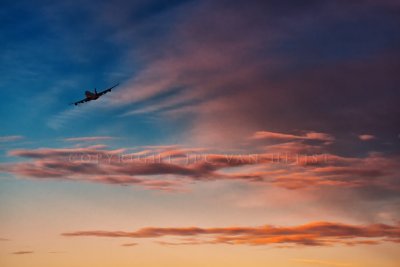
(241, 133)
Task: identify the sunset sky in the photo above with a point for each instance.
(242, 133)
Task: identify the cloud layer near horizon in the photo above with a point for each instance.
(311, 234)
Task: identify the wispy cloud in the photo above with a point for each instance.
(311, 234)
(22, 252)
(10, 138)
(253, 85)
(282, 136)
(129, 244)
(64, 118)
(63, 152)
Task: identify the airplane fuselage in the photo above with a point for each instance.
(91, 96)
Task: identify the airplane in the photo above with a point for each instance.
(93, 96)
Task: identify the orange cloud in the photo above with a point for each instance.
(311, 234)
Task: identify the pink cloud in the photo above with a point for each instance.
(366, 137)
(296, 147)
(64, 152)
(225, 84)
(171, 168)
(281, 136)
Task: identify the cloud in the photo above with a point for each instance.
(22, 252)
(372, 171)
(311, 234)
(296, 147)
(220, 97)
(10, 138)
(53, 153)
(60, 120)
(129, 244)
(96, 164)
(88, 139)
(172, 168)
(366, 137)
(304, 168)
(281, 136)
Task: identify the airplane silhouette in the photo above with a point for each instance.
(93, 96)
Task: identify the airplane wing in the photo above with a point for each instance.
(81, 101)
(107, 90)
